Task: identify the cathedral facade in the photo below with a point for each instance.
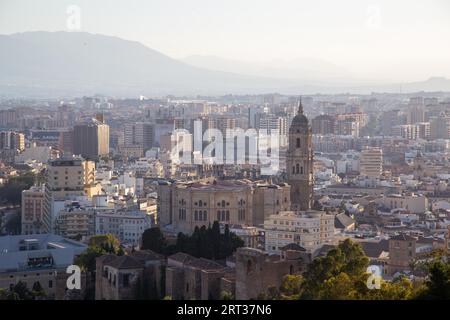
(300, 162)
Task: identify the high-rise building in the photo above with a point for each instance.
(347, 127)
(65, 116)
(361, 118)
(139, 134)
(222, 123)
(423, 130)
(416, 113)
(371, 162)
(65, 141)
(8, 118)
(33, 210)
(323, 124)
(11, 140)
(299, 162)
(91, 139)
(273, 125)
(66, 177)
(440, 127)
(390, 119)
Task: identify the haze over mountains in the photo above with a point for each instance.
(56, 64)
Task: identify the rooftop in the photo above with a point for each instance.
(22, 252)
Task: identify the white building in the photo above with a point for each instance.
(127, 226)
(39, 258)
(309, 229)
(38, 153)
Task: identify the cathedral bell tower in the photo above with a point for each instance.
(300, 162)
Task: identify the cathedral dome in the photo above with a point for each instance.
(300, 123)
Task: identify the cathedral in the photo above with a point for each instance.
(299, 162)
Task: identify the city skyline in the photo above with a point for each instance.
(235, 150)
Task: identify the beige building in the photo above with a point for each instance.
(300, 162)
(120, 277)
(33, 210)
(75, 222)
(308, 229)
(91, 139)
(134, 151)
(190, 278)
(257, 272)
(361, 118)
(371, 162)
(66, 177)
(411, 202)
(402, 251)
(184, 206)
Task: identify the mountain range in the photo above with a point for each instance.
(61, 64)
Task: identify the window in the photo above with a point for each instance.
(126, 280)
(249, 266)
(241, 213)
(297, 168)
(298, 142)
(50, 283)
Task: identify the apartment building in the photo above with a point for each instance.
(33, 210)
(308, 229)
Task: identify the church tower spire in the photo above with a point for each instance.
(300, 106)
(300, 162)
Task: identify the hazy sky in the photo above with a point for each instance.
(385, 40)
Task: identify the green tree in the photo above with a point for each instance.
(226, 295)
(11, 192)
(14, 224)
(3, 294)
(20, 292)
(37, 291)
(348, 257)
(153, 239)
(342, 275)
(399, 289)
(209, 242)
(98, 246)
(291, 287)
(438, 282)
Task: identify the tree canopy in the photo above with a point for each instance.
(204, 242)
(342, 275)
(11, 192)
(98, 246)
